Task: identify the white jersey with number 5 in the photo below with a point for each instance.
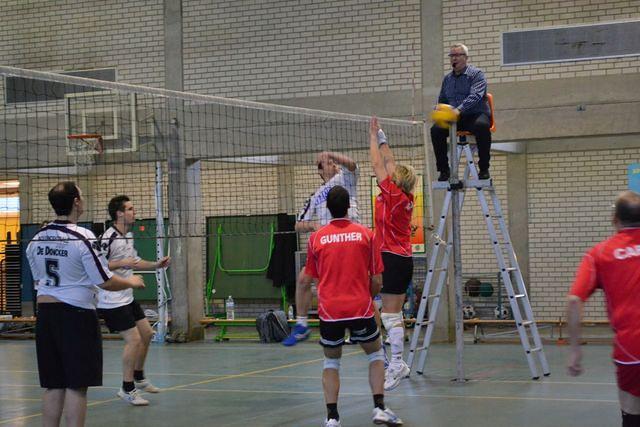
(315, 208)
(65, 264)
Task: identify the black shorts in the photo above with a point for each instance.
(68, 346)
(122, 318)
(362, 330)
(397, 274)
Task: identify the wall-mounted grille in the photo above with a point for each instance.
(571, 43)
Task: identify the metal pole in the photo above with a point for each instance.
(161, 327)
(427, 171)
(455, 185)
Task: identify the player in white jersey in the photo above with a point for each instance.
(119, 310)
(68, 272)
(334, 169)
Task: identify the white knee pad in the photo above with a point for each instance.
(390, 320)
(331, 363)
(376, 355)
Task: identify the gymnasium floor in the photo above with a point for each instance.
(244, 384)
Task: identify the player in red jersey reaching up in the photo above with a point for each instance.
(394, 207)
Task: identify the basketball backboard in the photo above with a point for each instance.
(112, 115)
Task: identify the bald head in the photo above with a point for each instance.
(627, 209)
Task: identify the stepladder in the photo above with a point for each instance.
(439, 266)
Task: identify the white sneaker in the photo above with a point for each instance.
(395, 373)
(331, 423)
(386, 417)
(145, 385)
(133, 397)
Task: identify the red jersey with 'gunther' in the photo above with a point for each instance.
(343, 257)
(394, 208)
(614, 267)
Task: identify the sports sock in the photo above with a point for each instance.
(332, 411)
(378, 401)
(630, 420)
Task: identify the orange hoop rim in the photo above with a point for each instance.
(83, 136)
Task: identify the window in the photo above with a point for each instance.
(19, 89)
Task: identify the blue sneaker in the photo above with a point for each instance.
(299, 333)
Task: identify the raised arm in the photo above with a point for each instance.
(341, 159)
(377, 161)
(382, 160)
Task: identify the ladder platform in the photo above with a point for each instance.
(472, 183)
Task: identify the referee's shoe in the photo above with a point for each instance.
(299, 333)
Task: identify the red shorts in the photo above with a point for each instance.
(629, 378)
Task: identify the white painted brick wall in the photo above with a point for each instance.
(281, 49)
(570, 197)
(85, 34)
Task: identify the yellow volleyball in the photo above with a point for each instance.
(443, 115)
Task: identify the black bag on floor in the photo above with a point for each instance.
(272, 326)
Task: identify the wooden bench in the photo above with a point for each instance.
(226, 323)
(479, 324)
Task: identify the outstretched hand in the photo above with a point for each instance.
(137, 282)
(373, 126)
(163, 262)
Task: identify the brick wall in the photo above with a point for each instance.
(85, 34)
(479, 25)
(282, 49)
(570, 197)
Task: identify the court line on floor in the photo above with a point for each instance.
(20, 399)
(448, 380)
(259, 371)
(211, 380)
(410, 395)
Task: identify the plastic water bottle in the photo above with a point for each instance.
(290, 313)
(230, 307)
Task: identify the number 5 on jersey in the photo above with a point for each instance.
(51, 266)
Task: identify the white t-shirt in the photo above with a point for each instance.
(66, 265)
(315, 208)
(115, 246)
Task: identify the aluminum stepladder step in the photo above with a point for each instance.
(508, 266)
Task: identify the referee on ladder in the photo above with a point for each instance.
(68, 271)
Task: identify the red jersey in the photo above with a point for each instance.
(343, 257)
(393, 218)
(614, 266)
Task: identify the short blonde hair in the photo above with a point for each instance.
(405, 177)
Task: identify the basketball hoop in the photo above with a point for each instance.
(84, 147)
